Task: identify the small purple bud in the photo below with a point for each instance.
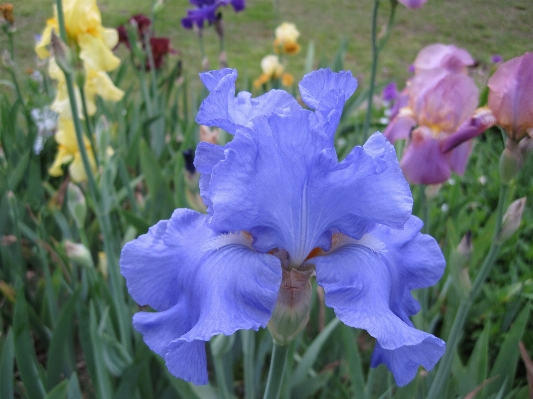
(496, 59)
(411, 68)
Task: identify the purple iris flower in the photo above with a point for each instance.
(206, 11)
(280, 202)
(390, 92)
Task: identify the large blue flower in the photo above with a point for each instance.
(280, 202)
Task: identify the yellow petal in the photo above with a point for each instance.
(95, 53)
(76, 170)
(81, 16)
(106, 89)
(62, 157)
(110, 37)
(40, 48)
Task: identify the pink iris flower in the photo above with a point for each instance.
(439, 103)
(413, 3)
(447, 56)
(511, 96)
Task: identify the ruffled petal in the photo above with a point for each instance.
(418, 261)
(405, 361)
(221, 108)
(204, 285)
(400, 127)
(95, 53)
(280, 164)
(318, 84)
(423, 162)
(368, 284)
(160, 329)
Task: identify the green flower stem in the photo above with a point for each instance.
(88, 125)
(220, 374)
(277, 369)
(110, 246)
(443, 372)
(375, 55)
(376, 48)
(248, 350)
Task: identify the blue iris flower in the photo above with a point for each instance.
(206, 10)
(279, 200)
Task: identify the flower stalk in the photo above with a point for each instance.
(103, 219)
(276, 372)
(465, 305)
(377, 46)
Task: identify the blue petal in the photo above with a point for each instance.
(418, 260)
(405, 361)
(370, 288)
(326, 92)
(281, 181)
(221, 108)
(145, 286)
(203, 291)
(318, 84)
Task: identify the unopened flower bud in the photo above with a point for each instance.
(219, 26)
(79, 77)
(103, 264)
(223, 60)
(510, 161)
(77, 205)
(205, 64)
(526, 146)
(459, 260)
(511, 219)
(7, 60)
(79, 254)
(61, 53)
(291, 313)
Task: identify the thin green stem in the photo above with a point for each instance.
(248, 351)
(424, 205)
(375, 55)
(276, 372)
(221, 377)
(88, 125)
(462, 313)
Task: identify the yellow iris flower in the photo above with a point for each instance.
(272, 70)
(96, 83)
(84, 28)
(68, 151)
(286, 39)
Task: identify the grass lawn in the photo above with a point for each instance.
(483, 27)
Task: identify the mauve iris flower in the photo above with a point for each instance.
(413, 4)
(439, 104)
(438, 55)
(511, 96)
(281, 207)
(206, 11)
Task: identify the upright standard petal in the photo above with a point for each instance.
(368, 282)
(203, 284)
(221, 108)
(281, 180)
(327, 92)
(449, 57)
(511, 96)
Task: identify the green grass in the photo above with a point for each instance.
(484, 28)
